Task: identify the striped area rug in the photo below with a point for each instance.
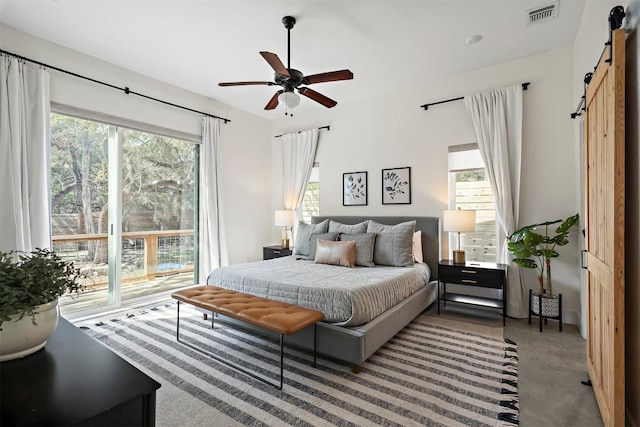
(427, 375)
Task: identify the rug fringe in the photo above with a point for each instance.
(510, 403)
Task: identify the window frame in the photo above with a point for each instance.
(464, 158)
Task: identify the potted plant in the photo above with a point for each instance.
(533, 247)
(30, 285)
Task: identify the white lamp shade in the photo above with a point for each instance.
(284, 218)
(290, 99)
(459, 221)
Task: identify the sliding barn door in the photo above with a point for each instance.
(604, 153)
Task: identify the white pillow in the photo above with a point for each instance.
(417, 247)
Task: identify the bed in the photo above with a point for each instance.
(354, 335)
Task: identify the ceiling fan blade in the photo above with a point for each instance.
(245, 83)
(331, 76)
(273, 102)
(318, 97)
(275, 63)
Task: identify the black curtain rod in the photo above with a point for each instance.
(525, 86)
(123, 89)
(320, 128)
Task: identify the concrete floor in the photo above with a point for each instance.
(551, 365)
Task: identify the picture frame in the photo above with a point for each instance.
(354, 189)
(396, 186)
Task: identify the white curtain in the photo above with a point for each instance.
(24, 156)
(212, 240)
(298, 155)
(497, 122)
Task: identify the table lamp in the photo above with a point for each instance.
(459, 221)
(285, 219)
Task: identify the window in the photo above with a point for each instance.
(311, 201)
(103, 175)
(469, 188)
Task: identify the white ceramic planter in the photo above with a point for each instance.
(21, 338)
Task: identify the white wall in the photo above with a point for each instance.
(245, 148)
(393, 131)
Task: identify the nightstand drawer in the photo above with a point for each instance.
(270, 252)
(466, 275)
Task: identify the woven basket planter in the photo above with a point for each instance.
(550, 306)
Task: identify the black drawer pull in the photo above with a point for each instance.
(468, 281)
(469, 271)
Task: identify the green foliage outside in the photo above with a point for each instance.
(158, 179)
(471, 175)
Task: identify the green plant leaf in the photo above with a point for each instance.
(30, 279)
(568, 223)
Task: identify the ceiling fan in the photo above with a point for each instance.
(291, 79)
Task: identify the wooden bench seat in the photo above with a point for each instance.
(275, 316)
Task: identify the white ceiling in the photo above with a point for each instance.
(388, 44)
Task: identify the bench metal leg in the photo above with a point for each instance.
(233, 365)
(315, 343)
(281, 360)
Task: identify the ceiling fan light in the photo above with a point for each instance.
(290, 99)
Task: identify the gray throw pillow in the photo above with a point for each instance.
(348, 229)
(394, 243)
(313, 242)
(364, 247)
(303, 236)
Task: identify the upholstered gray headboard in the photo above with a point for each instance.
(429, 226)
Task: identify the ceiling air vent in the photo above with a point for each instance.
(544, 13)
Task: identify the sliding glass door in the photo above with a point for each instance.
(79, 202)
(123, 210)
(158, 212)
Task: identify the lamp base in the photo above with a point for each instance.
(285, 243)
(458, 257)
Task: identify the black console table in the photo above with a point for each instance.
(75, 380)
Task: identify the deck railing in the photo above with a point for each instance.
(145, 254)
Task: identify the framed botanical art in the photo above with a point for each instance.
(396, 186)
(354, 189)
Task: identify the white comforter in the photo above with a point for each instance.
(346, 296)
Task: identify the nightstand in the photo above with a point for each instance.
(276, 251)
(473, 274)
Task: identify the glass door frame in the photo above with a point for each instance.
(115, 216)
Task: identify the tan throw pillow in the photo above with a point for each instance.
(336, 253)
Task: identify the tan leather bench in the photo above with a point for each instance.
(275, 316)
